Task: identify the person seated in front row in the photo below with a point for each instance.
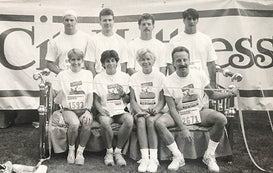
(147, 101)
(183, 91)
(74, 89)
(111, 89)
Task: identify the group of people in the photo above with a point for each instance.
(143, 82)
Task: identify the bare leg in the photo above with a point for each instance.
(125, 130)
(107, 132)
(73, 126)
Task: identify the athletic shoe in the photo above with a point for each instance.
(71, 157)
(153, 165)
(6, 167)
(109, 159)
(79, 159)
(143, 165)
(210, 161)
(119, 159)
(178, 161)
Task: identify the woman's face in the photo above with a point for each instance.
(146, 62)
(75, 63)
(110, 65)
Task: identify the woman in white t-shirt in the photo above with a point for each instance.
(147, 102)
(110, 98)
(75, 90)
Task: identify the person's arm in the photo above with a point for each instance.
(163, 70)
(89, 65)
(212, 73)
(98, 106)
(52, 66)
(131, 71)
(170, 68)
(218, 95)
(133, 102)
(89, 101)
(174, 113)
(124, 67)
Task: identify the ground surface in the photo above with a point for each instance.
(19, 144)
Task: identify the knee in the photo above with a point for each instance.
(128, 120)
(221, 119)
(159, 125)
(105, 124)
(74, 126)
(141, 122)
(150, 122)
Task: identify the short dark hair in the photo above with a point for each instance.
(180, 49)
(106, 12)
(107, 54)
(146, 16)
(190, 12)
(75, 52)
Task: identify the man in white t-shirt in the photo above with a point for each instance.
(111, 89)
(71, 38)
(183, 91)
(146, 26)
(203, 55)
(107, 39)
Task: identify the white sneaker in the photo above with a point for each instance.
(109, 159)
(210, 161)
(178, 161)
(119, 159)
(153, 165)
(143, 164)
(79, 159)
(71, 157)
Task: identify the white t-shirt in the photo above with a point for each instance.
(101, 43)
(156, 46)
(75, 87)
(147, 88)
(186, 89)
(105, 88)
(200, 48)
(62, 44)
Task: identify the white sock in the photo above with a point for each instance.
(71, 147)
(212, 147)
(174, 149)
(144, 153)
(109, 150)
(117, 150)
(153, 153)
(80, 149)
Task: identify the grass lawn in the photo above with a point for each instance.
(19, 144)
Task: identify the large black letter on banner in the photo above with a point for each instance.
(3, 59)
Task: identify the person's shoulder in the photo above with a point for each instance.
(99, 76)
(203, 35)
(119, 37)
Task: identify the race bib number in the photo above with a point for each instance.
(147, 103)
(190, 113)
(115, 107)
(76, 101)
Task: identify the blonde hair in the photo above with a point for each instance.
(142, 52)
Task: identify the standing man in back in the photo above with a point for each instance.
(146, 26)
(69, 39)
(200, 46)
(107, 39)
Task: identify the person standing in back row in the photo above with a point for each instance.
(107, 39)
(200, 46)
(146, 24)
(57, 59)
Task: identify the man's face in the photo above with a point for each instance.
(181, 62)
(190, 22)
(146, 26)
(70, 22)
(107, 22)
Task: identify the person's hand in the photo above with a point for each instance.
(233, 91)
(121, 93)
(86, 118)
(142, 114)
(152, 111)
(185, 134)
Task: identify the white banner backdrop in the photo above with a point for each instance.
(241, 32)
